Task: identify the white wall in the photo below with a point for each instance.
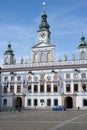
(45, 100)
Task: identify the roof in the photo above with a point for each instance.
(83, 43)
(9, 49)
(42, 44)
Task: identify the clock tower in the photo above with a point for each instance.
(44, 32)
(43, 51)
(82, 48)
(8, 55)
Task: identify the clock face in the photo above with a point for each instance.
(42, 35)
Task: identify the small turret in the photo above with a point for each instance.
(8, 55)
(8, 49)
(82, 48)
(83, 43)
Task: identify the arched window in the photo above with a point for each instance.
(82, 54)
(84, 102)
(35, 58)
(49, 57)
(5, 102)
(42, 57)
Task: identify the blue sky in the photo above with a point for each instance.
(19, 21)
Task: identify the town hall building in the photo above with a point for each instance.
(44, 81)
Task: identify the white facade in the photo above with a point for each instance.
(44, 81)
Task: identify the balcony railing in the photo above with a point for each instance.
(56, 63)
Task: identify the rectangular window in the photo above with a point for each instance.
(29, 102)
(12, 78)
(19, 78)
(5, 90)
(35, 102)
(67, 76)
(48, 88)
(75, 76)
(55, 102)
(11, 89)
(41, 100)
(29, 89)
(55, 88)
(84, 88)
(67, 87)
(18, 89)
(75, 87)
(35, 88)
(5, 78)
(83, 75)
(48, 102)
(41, 88)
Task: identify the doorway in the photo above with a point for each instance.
(18, 102)
(68, 102)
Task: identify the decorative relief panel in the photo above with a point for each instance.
(35, 78)
(48, 78)
(29, 77)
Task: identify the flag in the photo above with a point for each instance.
(58, 82)
(7, 84)
(25, 83)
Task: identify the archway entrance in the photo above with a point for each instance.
(18, 102)
(68, 102)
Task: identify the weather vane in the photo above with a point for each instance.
(44, 5)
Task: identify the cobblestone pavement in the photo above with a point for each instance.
(44, 120)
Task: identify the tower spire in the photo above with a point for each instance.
(44, 6)
(44, 24)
